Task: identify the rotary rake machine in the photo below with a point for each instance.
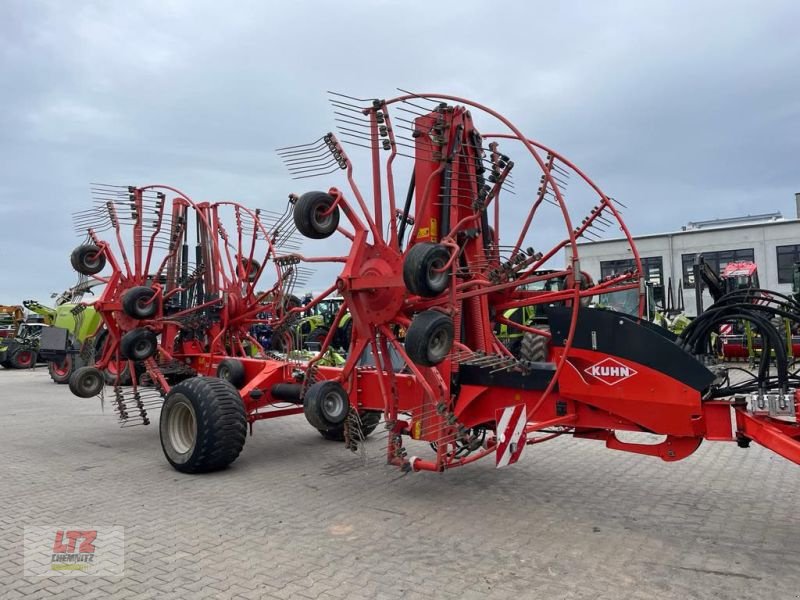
(428, 283)
(183, 290)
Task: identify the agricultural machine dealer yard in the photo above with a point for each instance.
(462, 392)
(432, 360)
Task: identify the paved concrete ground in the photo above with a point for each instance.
(298, 517)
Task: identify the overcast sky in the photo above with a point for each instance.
(683, 110)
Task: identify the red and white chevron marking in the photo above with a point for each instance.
(511, 435)
(725, 329)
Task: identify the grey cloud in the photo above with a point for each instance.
(683, 110)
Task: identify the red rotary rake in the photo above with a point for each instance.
(428, 285)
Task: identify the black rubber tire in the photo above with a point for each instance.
(534, 346)
(86, 382)
(429, 338)
(60, 373)
(6, 364)
(136, 303)
(250, 268)
(218, 429)
(308, 217)
(138, 344)
(87, 259)
(369, 421)
(317, 335)
(232, 371)
(23, 358)
(419, 269)
(326, 405)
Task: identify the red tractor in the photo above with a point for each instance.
(427, 280)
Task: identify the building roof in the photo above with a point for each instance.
(728, 221)
(685, 231)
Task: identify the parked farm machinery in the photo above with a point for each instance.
(428, 284)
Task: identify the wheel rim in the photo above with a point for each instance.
(91, 261)
(143, 348)
(25, 358)
(89, 382)
(63, 369)
(437, 277)
(321, 220)
(182, 427)
(333, 406)
(225, 373)
(438, 345)
(144, 306)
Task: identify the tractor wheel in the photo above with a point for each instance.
(326, 405)
(251, 267)
(422, 272)
(138, 344)
(317, 336)
(232, 371)
(110, 374)
(369, 421)
(61, 372)
(429, 338)
(86, 382)
(87, 259)
(534, 346)
(6, 364)
(310, 218)
(138, 303)
(23, 358)
(203, 425)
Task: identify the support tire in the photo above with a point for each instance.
(232, 371)
(87, 259)
(138, 344)
(86, 382)
(429, 338)
(203, 425)
(326, 405)
(138, 303)
(422, 272)
(310, 218)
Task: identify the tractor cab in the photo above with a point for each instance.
(740, 276)
(627, 301)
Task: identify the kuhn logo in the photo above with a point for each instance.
(610, 371)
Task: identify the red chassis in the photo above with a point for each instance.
(599, 393)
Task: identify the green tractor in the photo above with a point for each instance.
(74, 336)
(22, 350)
(310, 330)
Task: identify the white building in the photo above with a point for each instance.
(769, 240)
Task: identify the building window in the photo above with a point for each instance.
(787, 256)
(652, 268)
(716, 260)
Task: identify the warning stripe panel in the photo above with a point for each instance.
(511, 437)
